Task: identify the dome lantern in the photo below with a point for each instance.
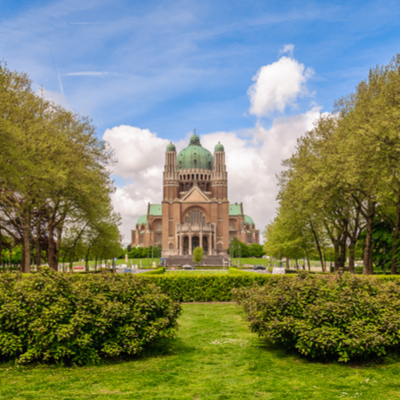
(171, 147)
(219, 147)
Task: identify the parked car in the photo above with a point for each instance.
(259, 267)
(188, 267)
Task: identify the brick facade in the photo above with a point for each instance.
(195, 210)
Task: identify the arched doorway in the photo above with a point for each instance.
(195, 242)
(205, 245)
(185, 246)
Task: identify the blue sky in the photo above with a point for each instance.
(173, 66)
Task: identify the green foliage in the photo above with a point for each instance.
(158, 271)
(342, 317)
(198, 255)
(237, 271)
(61, 318)
(145, 252)
(213, 287)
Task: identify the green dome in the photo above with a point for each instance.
(142, 220)
(195, 139)
(248, 220)
(171, 147)
(195, 156)
(219, 147)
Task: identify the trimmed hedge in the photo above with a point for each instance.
(338, 316)
(158, 271)
(80, 319)
(215, 287)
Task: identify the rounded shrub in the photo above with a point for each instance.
(62, 318)
(340, 317)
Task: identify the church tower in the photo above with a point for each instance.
(219, 176)
(171, 184)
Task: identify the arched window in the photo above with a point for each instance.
(171, 246)
(201, 176)
(219, 246)
(195, 217)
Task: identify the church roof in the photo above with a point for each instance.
(195, 156)
(248, 220)
(235, 209)
(155, 210)
(142, 220)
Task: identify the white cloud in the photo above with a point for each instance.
(287, 48)
(278, 85)
(253, 159)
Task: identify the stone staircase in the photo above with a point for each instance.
(176, 261)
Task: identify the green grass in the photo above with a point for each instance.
(196, 272)
(214, 357)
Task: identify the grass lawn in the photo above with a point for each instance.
(214, 357)
(196, 272)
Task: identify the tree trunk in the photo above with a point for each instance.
(86, 262)
(342, 258)
(352, 256)
(318, 246)
(287, 263)
(71, 260)
(395, 237)
(368, 269)
(308, 264)
(57, 246)
(37, 245)
(336, 262)
(26, 251)
(51, 248)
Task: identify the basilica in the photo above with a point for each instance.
(195, 210)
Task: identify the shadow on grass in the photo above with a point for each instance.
(282, 353)
(159, 349)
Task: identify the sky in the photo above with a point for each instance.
(251, 74)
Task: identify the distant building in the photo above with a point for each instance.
(195, 210)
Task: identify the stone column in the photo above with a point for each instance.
(215, 240)
(201, 239)
(190, 244)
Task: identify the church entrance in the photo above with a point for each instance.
(185, 246)
(205, 245)
(195, 242)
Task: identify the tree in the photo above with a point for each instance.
(62, 176)
(198, 255)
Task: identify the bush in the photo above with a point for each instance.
(215, 287)
(79, 319)
(158, 271)
(338, 316)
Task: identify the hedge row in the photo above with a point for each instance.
(215, 287)
(342, 317)
(79, 319)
